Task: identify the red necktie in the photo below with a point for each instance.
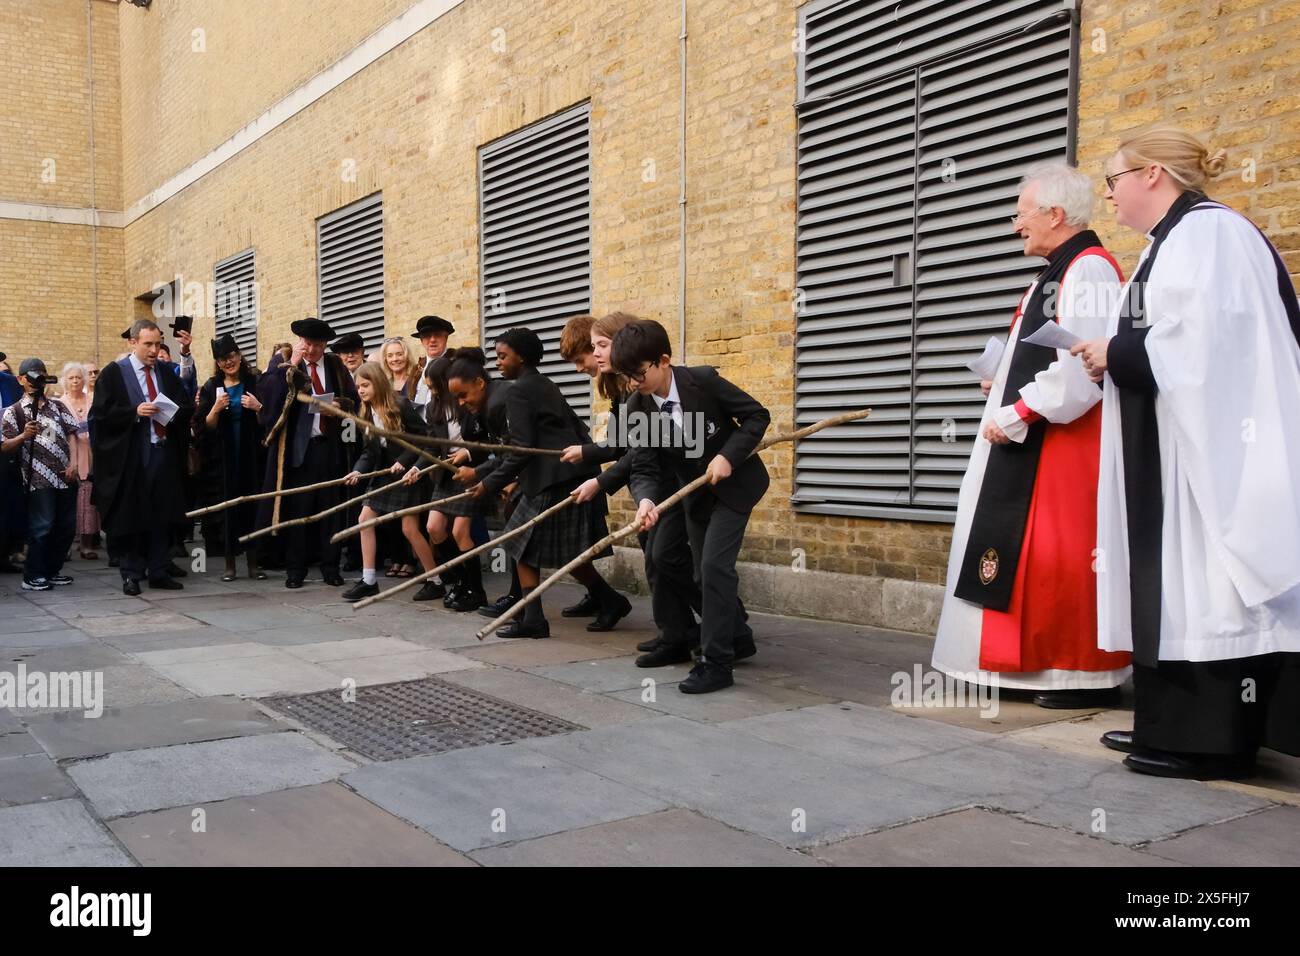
(153, 393)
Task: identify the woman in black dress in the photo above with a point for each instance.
(231, 458)
(392, 412)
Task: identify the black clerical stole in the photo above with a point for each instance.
(988, 568)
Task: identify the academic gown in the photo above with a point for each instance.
(1045, 638)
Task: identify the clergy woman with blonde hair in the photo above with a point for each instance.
(1198, 518)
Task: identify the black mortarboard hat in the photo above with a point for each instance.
(223, 345)
(313, 329)
(429, 324)
(350, 342)
(182, 323)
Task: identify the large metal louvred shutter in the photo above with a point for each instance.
(350, 269)
(535, 229)
(235, 295)
(916, 121)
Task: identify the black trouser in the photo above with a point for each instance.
(317, 465)
(51, 527)
(1219, 707)
(670, 571)
(146, 553)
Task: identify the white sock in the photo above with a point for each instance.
(436, 579)
(368, 576)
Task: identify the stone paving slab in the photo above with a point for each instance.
(18, 744)
(1277, 778)
(190, 774)
(33, 778)
(549, 697)
(258, 675)
(744, 699)
(1268, 838)
(1015, 713)
(459, 796)
(68, 736)
(112, 625)
(351, 649)
(390, 668)
(185, 603)
(673, 838)
(64, 636)
(320, 825)
(270, 615)
(316, 634)
(76, 657)
(539, 653)
(855, 734)
(979, 837)
(170, 640)
(129, 684)
(29, 623)
(60, 833)
(610, 674)
(746, 782)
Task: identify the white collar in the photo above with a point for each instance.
(672, 395)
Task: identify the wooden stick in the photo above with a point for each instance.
(347, 503)
(397, 438)
(466, 555)
(381, 519)
(670, 501)
(484, 446)
(263, 495)
(279, 428)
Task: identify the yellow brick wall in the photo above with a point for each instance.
(413, 121)
(48, 279)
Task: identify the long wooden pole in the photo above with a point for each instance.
(484, 446)
(309, 519)
(401, 513)
(397, 438)
(466, 555)
(670, 501)
(264, 495)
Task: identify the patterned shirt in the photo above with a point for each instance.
(49, 451)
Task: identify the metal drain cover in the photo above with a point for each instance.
(415, 718)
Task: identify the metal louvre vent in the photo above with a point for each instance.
(235, 294)
(350, 269)
(535, 228)
(905, 257)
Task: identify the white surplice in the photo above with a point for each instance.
(1227, 369)
(1060, 393)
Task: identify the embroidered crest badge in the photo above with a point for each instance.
(710, 429)
(988, 566)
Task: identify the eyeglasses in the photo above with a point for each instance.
(1019, 217)
(639, 377)
(1111, 177)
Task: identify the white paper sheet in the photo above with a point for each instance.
(166, 409)
(986, 366)
(1052, 336)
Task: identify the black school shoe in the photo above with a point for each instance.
(165, 584)
(664, 654)
(587, 607)
(175, 570)
(464, 600)
(611, 616)
(1159, 763)
(706, 677)
(498, 607)
(518, 628)
(360, 590)
(429, 591)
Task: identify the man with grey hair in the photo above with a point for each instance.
(1020, 608)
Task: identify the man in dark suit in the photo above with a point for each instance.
(700, 422)
(317, 444)
(139, 458)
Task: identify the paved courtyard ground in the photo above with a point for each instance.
(197, 758)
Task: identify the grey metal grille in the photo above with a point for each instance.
(535, 228)
(350, 268)
(909, 154)
(235, 292)
(415, 718)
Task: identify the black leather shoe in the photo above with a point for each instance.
(131, 587)
(175, 570)
(165, 584)
(705, 678)
(744, 649)
(1121, 740)
(1159, 763)
(429, 591)
(360, 590)
(665, 654)
(293, 582)
(451, 593)
(608, 618)
(332, 578)
(464, 601)
(1078, 699)
(498, 607)
(518, 628)
(651, 644)
(587, 607)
